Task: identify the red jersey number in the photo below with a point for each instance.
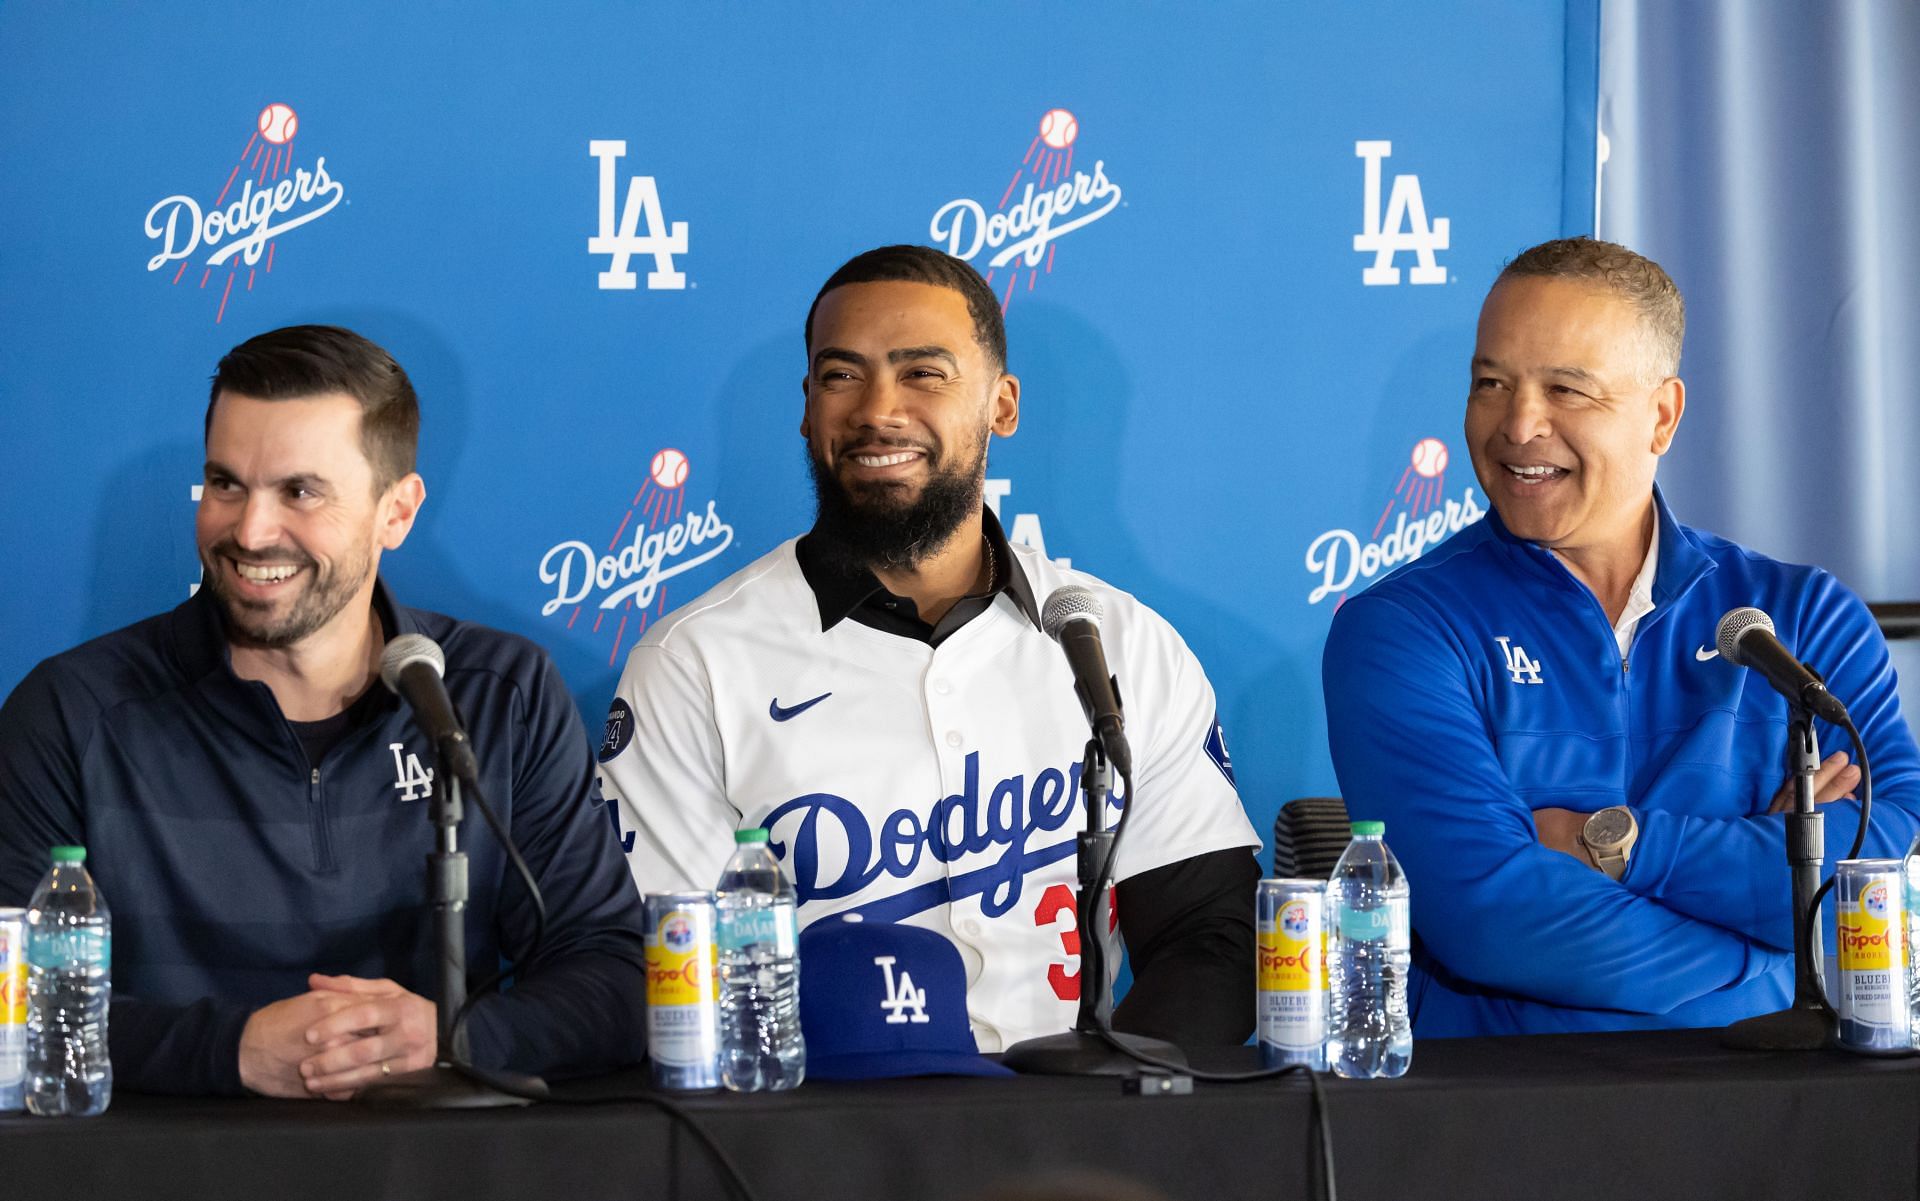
(1059, 900)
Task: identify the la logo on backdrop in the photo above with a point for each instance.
(1056, 201)
(238, 231)
(617, 586)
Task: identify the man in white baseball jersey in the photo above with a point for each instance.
(880, 696)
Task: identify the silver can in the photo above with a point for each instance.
(13, 1010)
(683, 998)
(1873, 948)
(1291, 1002)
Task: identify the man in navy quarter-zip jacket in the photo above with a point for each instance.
(1588, 799)
(254, 803)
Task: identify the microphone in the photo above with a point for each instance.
(1746, 639)
(1071, 617)
(412, 666)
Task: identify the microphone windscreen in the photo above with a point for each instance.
(1068, 604)
(406, 650)
(1736, 623)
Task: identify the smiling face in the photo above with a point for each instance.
(1563, 423)
(290, 526)
(900, 400)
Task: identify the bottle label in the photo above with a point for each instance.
(1387, 923)
(769, 925)
(80, 946)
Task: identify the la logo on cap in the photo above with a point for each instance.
(879, 999)
(901, 995)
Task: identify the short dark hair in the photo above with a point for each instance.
(1632, 277)
(300, 361)
(925, 265)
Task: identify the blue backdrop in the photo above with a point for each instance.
(1241, 296)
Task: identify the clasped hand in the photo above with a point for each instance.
(334, 1040)
(1834, 780)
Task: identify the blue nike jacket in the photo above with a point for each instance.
(1483, 681)
(233, 866)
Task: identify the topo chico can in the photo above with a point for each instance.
(1872, 997)
(1291, 929)
(13, 1010)
(683, 1015)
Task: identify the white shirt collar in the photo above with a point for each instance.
(1639, 596)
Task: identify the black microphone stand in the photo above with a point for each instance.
(1808, 1024)
(1087, 1049)
(451, 1083)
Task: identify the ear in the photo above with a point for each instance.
(1669, 402)
(398, 509)
(806, 407)
(1003, 416)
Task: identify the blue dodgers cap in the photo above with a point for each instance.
(879, 1000)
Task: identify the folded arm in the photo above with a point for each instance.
(1491, 903)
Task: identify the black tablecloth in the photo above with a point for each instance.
(1611, 1117)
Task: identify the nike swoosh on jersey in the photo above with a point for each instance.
(1703, 654)
(792, 711)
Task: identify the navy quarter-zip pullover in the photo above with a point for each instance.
(234, 866)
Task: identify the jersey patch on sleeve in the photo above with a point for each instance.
(619, 730)
(1216, 747)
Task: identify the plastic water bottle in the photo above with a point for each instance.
(69, 949)
(1369, 1033)
(761, 1047)
(1911, 873)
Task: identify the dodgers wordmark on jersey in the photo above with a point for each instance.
(933, 785)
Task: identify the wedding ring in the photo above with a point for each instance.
(386, 1069)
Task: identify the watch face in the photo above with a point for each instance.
(1607, 828)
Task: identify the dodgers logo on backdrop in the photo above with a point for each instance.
(1404, 227)
(1339, 559)
(622, 238)
(241, 228)
(1055, 201)
(658, 538)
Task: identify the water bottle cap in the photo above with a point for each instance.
(1369, 829)
(69, 854)
(756, 834)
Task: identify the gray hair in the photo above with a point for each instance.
(1632, 277)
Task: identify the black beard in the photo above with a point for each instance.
(879, 532)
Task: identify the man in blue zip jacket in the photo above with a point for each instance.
(1586, 797)
(254, 803)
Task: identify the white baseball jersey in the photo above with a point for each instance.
(937, 786)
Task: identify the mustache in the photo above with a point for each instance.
(891, 441)
(226, 548)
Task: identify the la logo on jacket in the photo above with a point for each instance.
(1522, 668)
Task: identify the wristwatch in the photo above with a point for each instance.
(1608, 838)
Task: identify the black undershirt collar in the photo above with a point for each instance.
(842, 589)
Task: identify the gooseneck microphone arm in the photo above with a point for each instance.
(413, 666)
(1746, 639)
(1071, 617)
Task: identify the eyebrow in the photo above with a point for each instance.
(304, 479)
(902, 354)
(1573, 373)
